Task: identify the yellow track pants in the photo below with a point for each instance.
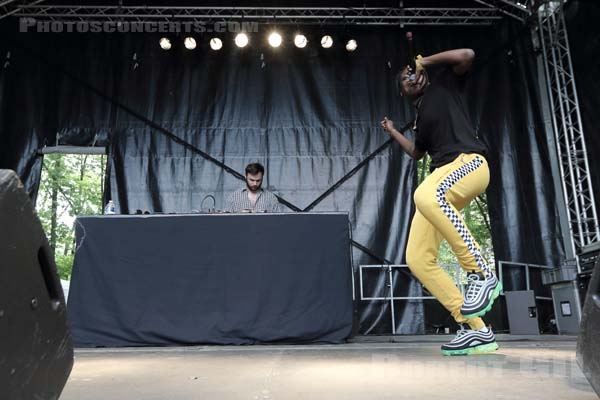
(439, 200)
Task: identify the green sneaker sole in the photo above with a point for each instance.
(495, 295)
(482, 349)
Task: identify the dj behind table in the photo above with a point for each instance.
(141, 280)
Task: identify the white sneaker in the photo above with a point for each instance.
(480, 294)
(468, 341)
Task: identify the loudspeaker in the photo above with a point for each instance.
(588, 343)
(588, 257)
(36, 353)
(583, 281)
(522, 312)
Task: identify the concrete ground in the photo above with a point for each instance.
(399, 367)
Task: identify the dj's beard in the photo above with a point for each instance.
(257, 188)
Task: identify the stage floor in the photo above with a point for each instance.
(400, 367)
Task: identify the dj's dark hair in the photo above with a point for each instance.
(254, 169)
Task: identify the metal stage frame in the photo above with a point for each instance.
(483, 12)
(550, 31)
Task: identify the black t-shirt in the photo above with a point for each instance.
(443, 128)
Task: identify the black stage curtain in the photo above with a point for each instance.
(308, 115)
(582, 26)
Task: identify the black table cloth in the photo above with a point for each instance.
(143, 280)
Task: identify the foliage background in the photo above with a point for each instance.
(71, 185)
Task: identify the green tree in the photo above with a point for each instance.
(71, 185)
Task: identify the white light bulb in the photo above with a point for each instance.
(275, 39)
(189, 43)
(326, 41)
(300, 41)
(165, 43)
(241, 40)
(351, 45)
(216, 44)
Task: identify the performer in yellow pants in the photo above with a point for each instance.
(459, 174)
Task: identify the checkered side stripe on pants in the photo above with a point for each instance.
(462, 230)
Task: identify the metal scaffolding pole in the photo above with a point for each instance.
(10, 7)
(567, 126)
(280, 15)
(513, 9)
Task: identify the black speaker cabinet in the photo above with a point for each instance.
(36, 354)
(583, 281)
(588, 343)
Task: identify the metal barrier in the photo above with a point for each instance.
(527, 267)
(391, 298)
(388, 269)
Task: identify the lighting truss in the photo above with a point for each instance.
(514, 9)
(279, 15)
(567, 126)
(10, 7)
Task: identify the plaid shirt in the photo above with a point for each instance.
(265, 202)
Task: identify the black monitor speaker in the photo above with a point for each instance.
(588, 343)
(36, 354)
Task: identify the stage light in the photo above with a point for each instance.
(300, 41)
(275, 39)
(241, 40)
(189, 43)
(216, 44)
(326, 41)
(165, 43)
(351, 45)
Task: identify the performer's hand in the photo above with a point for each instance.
(419, 68)
(387, 124)
(414, 76)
